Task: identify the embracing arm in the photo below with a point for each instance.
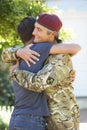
(12, 54)
(53, 73)
(62, 48)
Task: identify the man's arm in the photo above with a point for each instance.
(56, 72)
(9, 55)
(14, 53)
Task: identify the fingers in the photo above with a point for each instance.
(27, 62)
(72, 79)
(30, 60)
(73, 72)
(28, 55)
(72, 75)
(34, 58)
(17, 62)
(11, 69)
(33, 53)
(26, 52)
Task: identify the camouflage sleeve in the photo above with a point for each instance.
(55, 72)
(9, 55)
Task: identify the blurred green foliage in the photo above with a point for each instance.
(3, 125)
(6, 90)
(11, 12)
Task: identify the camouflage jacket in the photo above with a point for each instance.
(53, 78)
(9, 55)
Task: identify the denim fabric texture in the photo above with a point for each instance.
(27, 122)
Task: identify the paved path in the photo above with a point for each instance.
(83, 126)
(83, 115)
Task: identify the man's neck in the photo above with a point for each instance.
(54, 41)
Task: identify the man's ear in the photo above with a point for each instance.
(54, 33)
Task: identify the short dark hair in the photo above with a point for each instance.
(25, 28)
(58, 39)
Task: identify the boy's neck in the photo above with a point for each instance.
(29, 42)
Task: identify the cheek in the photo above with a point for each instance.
(47, 37)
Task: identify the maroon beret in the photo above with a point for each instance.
(50, 21)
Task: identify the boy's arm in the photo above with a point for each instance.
(11, 54)
(52, 74)
(61, 48)
(14, 53)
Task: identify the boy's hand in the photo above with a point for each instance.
(28, 55)
(14, 66)
(72, 75)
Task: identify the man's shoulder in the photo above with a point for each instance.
(57, 57)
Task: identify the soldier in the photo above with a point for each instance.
(55, 79)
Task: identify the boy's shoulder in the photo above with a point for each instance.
(41, 46)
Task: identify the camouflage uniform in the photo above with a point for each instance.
(9, 55)
(54, 79)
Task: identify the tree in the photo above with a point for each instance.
(11, 12)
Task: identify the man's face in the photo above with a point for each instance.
(41, 34)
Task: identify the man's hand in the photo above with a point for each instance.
(72, 75)
(28, 55)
